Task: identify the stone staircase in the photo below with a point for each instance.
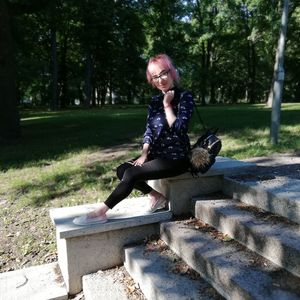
(240, 243)
(243, 252)
(232, 236)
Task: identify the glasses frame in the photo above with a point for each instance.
(163, 76)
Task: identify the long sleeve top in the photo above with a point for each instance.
(165, 141)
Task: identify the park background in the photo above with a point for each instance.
(74, 93)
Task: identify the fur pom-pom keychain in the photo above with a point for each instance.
(200, 157)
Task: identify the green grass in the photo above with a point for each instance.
(68, 158)
(54, 163)
(245, 129)
(52, 160)
(51, 136)
(54, 136)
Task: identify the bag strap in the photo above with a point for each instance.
(199, 116)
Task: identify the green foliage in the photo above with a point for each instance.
(224, 50)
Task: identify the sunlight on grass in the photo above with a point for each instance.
(37, 118)
(78, 179)
(253, 143)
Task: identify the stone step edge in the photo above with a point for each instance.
(275, 240)
(262, 198)
(234, 271)
(161, 274)
(131, 212)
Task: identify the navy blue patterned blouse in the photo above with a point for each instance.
(169, 142)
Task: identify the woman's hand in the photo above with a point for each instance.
(168, 97)
(170, 116)
(141, 160)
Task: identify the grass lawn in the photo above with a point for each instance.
(67, 158)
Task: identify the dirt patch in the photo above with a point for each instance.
(25, 241)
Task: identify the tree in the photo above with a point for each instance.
(9, 116)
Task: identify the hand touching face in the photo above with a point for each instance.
(168, 97)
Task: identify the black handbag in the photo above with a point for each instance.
(203, 153)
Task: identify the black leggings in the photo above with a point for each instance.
(135, 176)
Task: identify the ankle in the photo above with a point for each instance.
(155, 195)
(100, 211)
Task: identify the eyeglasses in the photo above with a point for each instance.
(162, 76)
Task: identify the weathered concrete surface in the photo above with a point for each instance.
(161, 275)
(271, 237)
(100, 286)
(86, 249)
(274, 185)
(280, 196)
(180, 189)
(34, 283)
(276, 159)
(235, 272)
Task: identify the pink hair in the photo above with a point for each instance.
(166, 63)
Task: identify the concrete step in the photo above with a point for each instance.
(97, 286)
(112, 284)
(34, 283)
(269, 235)
(162, 275)
(84, 250)
(233, 270)
(279, 196)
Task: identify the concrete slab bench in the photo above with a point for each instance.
(86, 249)
(181, 189)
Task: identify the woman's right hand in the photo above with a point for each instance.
(168, 97)
(141, 160)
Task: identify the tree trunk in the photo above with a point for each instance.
(88, 80)
(278, 77)
(252, 85)
(9, 115)
(64, 99)
(103, 90)
(203, 80)
(54, 68)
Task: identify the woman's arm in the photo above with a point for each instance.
(180, 122)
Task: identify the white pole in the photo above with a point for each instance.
(279, 76)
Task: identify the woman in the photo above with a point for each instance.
(165, 144)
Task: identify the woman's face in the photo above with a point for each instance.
(161, 77)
